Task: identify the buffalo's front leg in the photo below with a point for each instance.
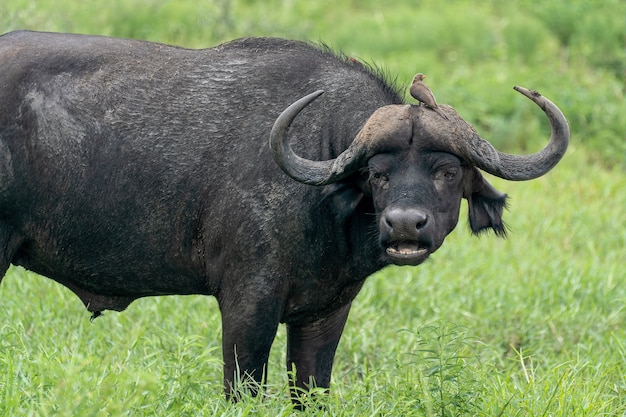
(248, 330)
(311, 349)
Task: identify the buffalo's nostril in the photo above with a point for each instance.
(405, 221)
(420, 220)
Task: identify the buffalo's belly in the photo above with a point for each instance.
(111, 275)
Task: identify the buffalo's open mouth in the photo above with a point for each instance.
(407, 252)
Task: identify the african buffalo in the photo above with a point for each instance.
(132, 169)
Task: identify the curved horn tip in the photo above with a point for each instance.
(531, 94)
(315, 94)
(286, 117)
(305, 101)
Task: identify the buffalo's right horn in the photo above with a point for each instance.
(305, 170)
(385, 123)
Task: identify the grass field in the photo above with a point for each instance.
(534, 325)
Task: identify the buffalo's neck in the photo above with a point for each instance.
(349, 253)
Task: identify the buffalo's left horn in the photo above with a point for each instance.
(305, 170)
(525, 167)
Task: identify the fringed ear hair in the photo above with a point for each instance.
(486, 205)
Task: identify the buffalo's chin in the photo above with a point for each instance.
(407, 253)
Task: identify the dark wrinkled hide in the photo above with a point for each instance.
(131, 169)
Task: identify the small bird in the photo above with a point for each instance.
(422, 93)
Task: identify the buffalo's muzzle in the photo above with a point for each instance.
(403, 235)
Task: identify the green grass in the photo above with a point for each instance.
(530, 326)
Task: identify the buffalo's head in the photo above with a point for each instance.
(416, 167)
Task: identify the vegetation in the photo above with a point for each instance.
(532, 325)
(571, 50)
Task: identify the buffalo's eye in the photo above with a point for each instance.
(379, 179)
(449, 175)
(380, 176)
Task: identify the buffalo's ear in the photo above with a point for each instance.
(344, 198)
(485, 204)
(347, 195)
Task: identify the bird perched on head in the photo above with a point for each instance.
(422, 93)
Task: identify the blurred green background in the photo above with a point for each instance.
(572, 51)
